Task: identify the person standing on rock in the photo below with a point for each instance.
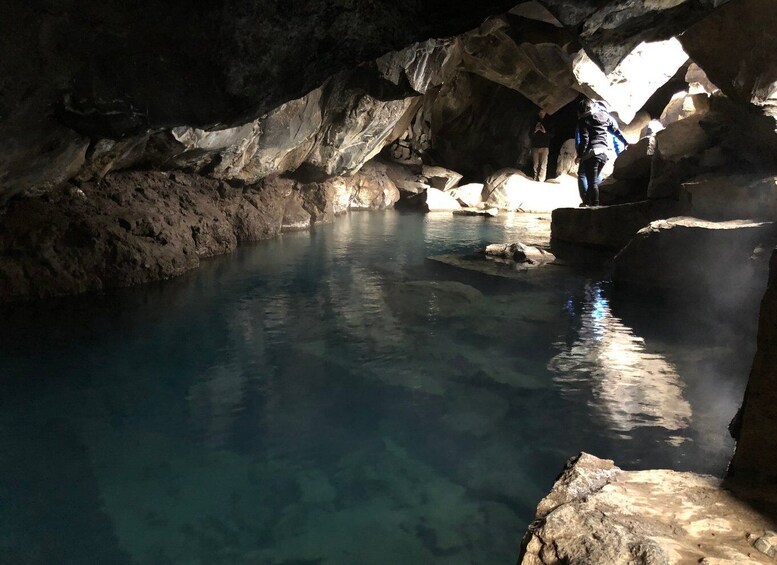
(540, 147)
(594, 125)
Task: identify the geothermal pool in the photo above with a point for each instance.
(333, 397)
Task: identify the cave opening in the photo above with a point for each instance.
(278, 284)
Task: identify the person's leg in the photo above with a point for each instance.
(544, 152)
(582, 183)
(535, 157)
(593, 173)
(589, 166)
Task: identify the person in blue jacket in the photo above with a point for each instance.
(594, 128)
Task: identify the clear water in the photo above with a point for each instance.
(333, 397)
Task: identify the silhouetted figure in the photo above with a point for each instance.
(594, 125)
(540, 147)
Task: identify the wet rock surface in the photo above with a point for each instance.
(519, 253)
(598, 514)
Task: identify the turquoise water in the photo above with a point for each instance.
(333, 397)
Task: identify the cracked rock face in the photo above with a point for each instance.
(109, 69)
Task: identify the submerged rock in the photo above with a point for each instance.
(490, 213)
(519, 252)
(597, 514)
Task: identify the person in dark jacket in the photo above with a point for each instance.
(540, 147)
(594, 125)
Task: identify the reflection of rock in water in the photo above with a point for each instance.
(631, 387)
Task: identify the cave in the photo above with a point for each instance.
(281, 283)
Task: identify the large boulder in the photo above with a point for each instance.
(683, 105)
(678, 149)
(615, 191)
(430, 200)
(610, 227)
(132, 228)
(566, 164)
(634, 162)
(406, 177)
(373, 189)
(686, 256)
(440, 177)
(731, 197)
(470, 195)
(597, 513)
(512, 190)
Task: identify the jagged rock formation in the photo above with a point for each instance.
(597, 514)
(610, 31)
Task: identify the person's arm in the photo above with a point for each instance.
(615, 130)
(583, 145)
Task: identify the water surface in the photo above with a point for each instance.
(333, 397)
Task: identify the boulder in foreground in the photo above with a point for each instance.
(597, 514)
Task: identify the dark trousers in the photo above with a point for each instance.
(588, 179)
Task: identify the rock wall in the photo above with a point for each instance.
(141, 226)
(754, 461)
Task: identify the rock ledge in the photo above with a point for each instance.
(599, 514)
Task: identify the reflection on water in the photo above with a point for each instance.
(630, 386)
(332, 397)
